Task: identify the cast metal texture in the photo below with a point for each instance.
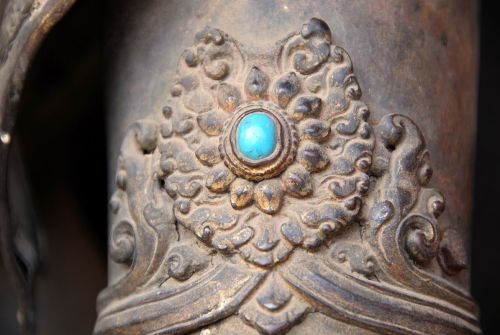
(339, 221)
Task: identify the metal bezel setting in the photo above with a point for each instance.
(268, 167)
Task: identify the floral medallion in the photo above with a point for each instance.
(266, 153)
(261, 190)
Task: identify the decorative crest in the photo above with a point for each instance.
(261, 189)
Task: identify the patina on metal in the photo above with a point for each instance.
(338, 229)
(23, 25)
(335, 231)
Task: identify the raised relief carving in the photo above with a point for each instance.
(262, 189)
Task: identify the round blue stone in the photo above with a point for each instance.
(256, 137)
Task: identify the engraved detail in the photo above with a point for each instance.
(122, 246)
(275, 309)
(452, 256)
(340, 203)
(256, 84)
(313, 182)
(183, 261)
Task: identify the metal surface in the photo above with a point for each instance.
(336, 231)
(23, 25)
(339, 230)
(416, 58)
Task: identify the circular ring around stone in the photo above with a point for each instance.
(269, 165)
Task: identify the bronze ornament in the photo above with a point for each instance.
(338, 221)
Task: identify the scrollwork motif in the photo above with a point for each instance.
(335, 216)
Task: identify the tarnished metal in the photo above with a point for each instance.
(23, 25)
(337, 230)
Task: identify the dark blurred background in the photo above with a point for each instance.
(61, 133)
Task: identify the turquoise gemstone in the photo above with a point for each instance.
(256, 136)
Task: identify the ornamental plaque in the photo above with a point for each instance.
(263, 191)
